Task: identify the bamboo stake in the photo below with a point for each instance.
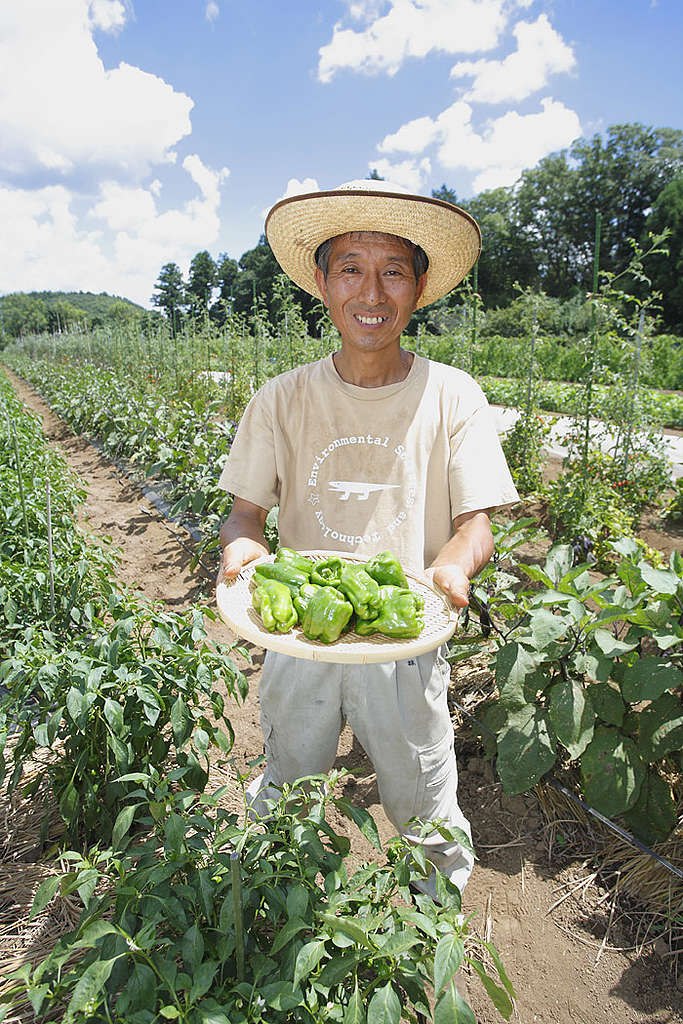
(237, 908)
(50, 559)
(593, 344)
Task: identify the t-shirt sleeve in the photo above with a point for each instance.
(478, 474)
(250, 471)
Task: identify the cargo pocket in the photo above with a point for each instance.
(438, 774)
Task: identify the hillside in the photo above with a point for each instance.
(33, 312)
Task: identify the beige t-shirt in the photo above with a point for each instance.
(369, 469)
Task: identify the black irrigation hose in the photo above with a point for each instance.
(617, 829)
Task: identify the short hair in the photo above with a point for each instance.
(420, 258)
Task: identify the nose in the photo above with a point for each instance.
(372, 287)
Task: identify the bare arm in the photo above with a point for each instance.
(241, 537)
(461, 558)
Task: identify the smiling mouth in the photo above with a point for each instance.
(370, 321)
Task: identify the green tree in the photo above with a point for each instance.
(447, 194)
(507, 256)
(22, 314)
(227, 270)
(258, 270)
(667, 271)
(201, 281)
(170, 295)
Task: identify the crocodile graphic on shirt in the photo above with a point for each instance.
(362, 490)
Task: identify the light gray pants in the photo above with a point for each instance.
(399, 713)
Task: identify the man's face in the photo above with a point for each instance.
(370, 289)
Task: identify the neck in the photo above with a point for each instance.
(372, 370)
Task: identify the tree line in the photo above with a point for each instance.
(538, 233)
(58, 312)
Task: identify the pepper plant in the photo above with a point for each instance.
(214, 921)
(104, 714)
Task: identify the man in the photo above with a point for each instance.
(372, 448)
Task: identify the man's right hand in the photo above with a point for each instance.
(241, 538)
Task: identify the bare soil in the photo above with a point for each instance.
(571, 962)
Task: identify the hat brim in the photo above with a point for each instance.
(296, 226)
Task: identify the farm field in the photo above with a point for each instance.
(526, 864)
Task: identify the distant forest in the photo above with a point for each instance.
(538, 235)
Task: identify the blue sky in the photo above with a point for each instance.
(137, 132)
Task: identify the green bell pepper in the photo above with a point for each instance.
(289, 575)
(327, 573)
(400, 616)
(386, 569)
(361, 590)
(301, 599)
(326, 615)
(273, 601)
(288, 556)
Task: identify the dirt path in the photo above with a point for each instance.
(554, 958)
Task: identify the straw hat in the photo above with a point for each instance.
(295, 227)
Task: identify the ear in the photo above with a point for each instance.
(322, 284)
(421, 282)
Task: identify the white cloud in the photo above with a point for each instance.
(122, 117)
(541, 52)
(411, 28)
(408, 173)
(107, 15)
(119, 247)
(294, 188)
(496, 154)
(212, 11)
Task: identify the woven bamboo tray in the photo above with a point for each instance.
(235, 608)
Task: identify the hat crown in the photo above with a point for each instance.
(372, 185)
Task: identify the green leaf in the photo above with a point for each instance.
(88, 987)
(502, 974)
(451, 1008)
(307, 959)
(124, 820)
(287, 933)
(297, 901)
(399, 943)
(202, 979)
(609, 644)
(113, 713)
(69, 803)
(420, 921)
(547, 627)
(348, 927)
(526, 749)
(44, 893)
(181, 722)
(448, 958)
(77, 706)
(192, 948)
(498, 996)
(653, 816)
(648, 678)
(607, 702)
(513, 665)
(385, 1006)
(559, 562)
(572, 715)
(362, 818)
(169, 1012)
(661, 727)
(612, 771)
(355, 1009)
(661, 580)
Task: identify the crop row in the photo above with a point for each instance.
(114, 712)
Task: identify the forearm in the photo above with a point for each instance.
(463, 556)
(241, 537)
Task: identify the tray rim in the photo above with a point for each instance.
(360, 651)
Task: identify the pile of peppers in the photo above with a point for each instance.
(331, 596)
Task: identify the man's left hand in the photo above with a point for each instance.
(454, 583)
